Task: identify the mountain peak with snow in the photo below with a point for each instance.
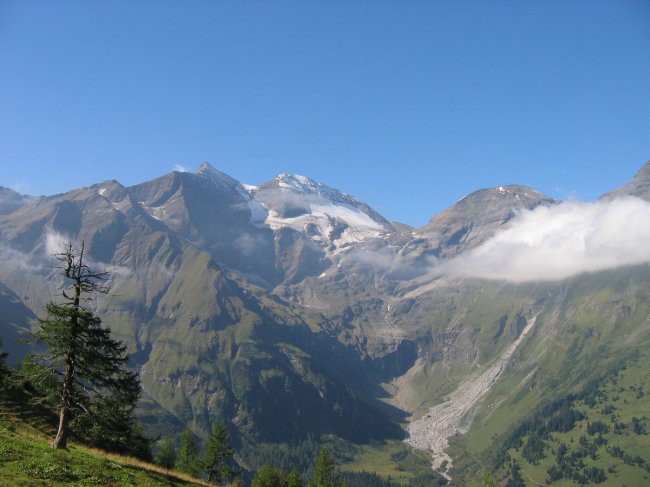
(297, 183)
(324, 214)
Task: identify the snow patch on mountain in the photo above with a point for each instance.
(324, 214)
(328, 222)
(301, 184)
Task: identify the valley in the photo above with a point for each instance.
(444, 420)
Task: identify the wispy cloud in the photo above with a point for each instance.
(55, 243)
(552, 243)
(180, 168)
(21, 187)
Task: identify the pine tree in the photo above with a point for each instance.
(219, 455)
(188, 454)
(323, 474)
(294, 479)
(166, 456)
(269, 476)
(96, 389)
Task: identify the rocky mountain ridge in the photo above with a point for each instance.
(244, 304)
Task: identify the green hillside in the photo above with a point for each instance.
(26, 458)
(600, 435)
(585, 363)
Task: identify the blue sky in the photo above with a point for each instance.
(406, 105)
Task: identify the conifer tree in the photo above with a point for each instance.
(294, 479)
(269, 476)
(96, 388)
(166, 456)
(219, 455)
(324, 471)
(188, 454)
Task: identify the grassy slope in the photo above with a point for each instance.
(26, 458)
(623, 397)
(600, 319)
(391, 459)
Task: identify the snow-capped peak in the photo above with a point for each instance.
(302, 185)
(299, 183)
(323, 213)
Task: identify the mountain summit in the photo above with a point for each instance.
(477, 217)
(325, 215)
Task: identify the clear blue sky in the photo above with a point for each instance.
(407, 105)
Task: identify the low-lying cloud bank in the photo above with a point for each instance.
(552, 243)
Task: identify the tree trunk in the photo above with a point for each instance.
(61, 440)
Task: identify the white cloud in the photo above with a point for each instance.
(55, 243)
(11, 258)
(21, 187)
(180, 168)
(552, 243)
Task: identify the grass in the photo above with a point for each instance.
(390, 459)
(26, 458)
(623, 398)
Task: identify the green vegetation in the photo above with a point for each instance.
(324, 471)
(166, 455)
(26, 458)
(96, 394)
(587, 329)
(391, 460)
(189, 460)
(28, 462)
(219, 461)
(323, 474)
(597, 435)
(269, 476)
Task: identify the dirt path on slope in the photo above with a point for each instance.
(443, 420)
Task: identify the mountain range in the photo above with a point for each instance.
(291, 310)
